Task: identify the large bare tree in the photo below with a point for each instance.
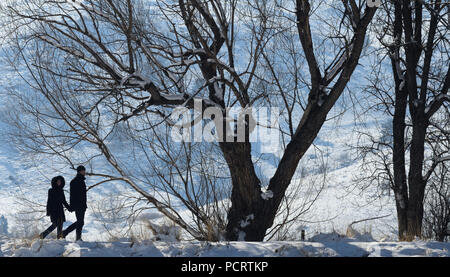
(114, 66)
(414, 39)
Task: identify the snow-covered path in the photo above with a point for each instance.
(328, 248)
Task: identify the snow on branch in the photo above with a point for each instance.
(135, 79)
(191, 52)
(218, 91)
(157, 98)
(183, 63)
(442, 159)
(338, 65)
(436, 104)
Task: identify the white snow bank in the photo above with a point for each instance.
(334, 236)
(328, 248)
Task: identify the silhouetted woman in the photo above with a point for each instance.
(56, 201)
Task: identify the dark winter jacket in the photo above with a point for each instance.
(78, 193)
(56, 202)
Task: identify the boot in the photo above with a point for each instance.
(43, 235)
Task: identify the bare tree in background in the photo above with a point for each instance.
(414, 39)
(437, 205)
(120, 67)
(437, 194)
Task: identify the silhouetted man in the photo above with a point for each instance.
(78, 201)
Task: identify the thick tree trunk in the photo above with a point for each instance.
(400, 185)
(250, 215)
(400, 182)
(415, 178)
(244, 216)
(409, 194)
(415, 216)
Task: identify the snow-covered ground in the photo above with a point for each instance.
(328, 246)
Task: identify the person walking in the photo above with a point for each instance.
(55, 207)
(78, 199)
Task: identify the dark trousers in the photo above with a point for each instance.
(77, 225)
(58, 225)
